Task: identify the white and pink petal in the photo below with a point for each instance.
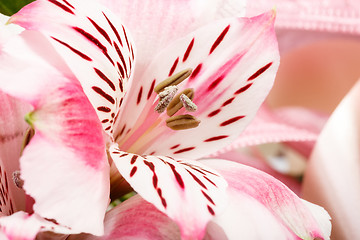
(234, 62)
(93, 42)
(64, 167)
(188, 192)
(268, 208)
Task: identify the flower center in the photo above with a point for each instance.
(172, 104)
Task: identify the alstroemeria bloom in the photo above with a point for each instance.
(76, 65)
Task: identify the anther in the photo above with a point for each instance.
(17, 179)
(28, 136)
(173, 80)
(188, 104)
(182, 122)
(176, 104)
(165, 98)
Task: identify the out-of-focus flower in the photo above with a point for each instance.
(92, 92)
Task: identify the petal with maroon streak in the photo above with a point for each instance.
(188, 192)
(95, 45)
(234, 62)
(266, 208)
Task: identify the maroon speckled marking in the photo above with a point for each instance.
(121, 70)
(215, 83)
(123, 155)
(108, 128)
(195, 72)
(151, 89)
(231, 120)
(67, 3)
(216, 138)
(210, 181)
(243, 89)
(207, 197)
(62, 6)
(188, 50)
(260, 71)
(130, 64)
(132, 52)
(121, 85)
(114, 29)
(105, 121)
(197, 179)
(174, 66)
(150, 165)
(104, 109)
(126, 38)
(227, 102)
(155, 181)
(121, 57)
(138, 100)
(211, 211)
(105, 78)
(104, 94)
(82, 55)
(122, 130)
(95, 41)
(184, 150)
(133, 171)
(175, 146)
(163, 201)
(219, 39)
(133, 159)
(213, 113)
(100, 30)
(177, 176)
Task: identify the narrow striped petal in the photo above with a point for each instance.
(188, 192)
(64, 166)
(234, 62)
(95, 45)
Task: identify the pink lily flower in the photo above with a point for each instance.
(93, 96)
(310, 80)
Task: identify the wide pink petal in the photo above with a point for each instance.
(64, 166)
(23, 226)
(234, 62)
(188, 192)
(94, 44)
(261, 206)
(155, 24)
(135, 219)
(333, 175)
(12, 131)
